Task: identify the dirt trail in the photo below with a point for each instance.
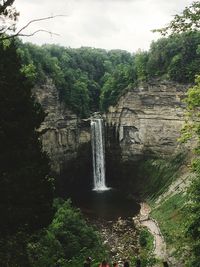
(144, 220)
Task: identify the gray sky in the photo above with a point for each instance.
(109, 24)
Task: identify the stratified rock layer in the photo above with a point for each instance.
(62, 131)
(148, 119)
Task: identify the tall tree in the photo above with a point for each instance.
(25, 187)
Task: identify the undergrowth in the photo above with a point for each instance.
(158, 174)
(171, 217)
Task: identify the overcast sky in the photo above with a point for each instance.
(109, 24)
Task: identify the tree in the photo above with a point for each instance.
(188, 20)
(192, 130)
(8, 16)
(114, 84)
(175, 57)
(67, 240)
(25, 186)
(141, 59)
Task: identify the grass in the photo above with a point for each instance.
(171, 218)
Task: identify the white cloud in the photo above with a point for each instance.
(124, 24)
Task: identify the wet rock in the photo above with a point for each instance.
(121, 237)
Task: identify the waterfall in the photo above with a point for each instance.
(98, 153)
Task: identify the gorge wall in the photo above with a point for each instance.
(147, 119)
(145, 122)
(63, 132)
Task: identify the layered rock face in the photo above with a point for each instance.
(148, 119)
(62, 131)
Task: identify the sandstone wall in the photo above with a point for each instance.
(148, 119)
(62, 131)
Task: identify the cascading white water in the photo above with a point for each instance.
(98, 153)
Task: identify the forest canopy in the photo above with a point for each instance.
(90, 79)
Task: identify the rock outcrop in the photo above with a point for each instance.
(62, 131)
(148, 119)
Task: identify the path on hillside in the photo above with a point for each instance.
(159, 242)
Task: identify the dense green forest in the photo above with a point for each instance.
(35, 228)
(26, 187)
(90, 79)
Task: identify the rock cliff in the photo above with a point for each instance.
(62, 131)
(148, 119)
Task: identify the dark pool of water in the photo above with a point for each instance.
(107, 205)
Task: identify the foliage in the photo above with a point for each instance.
(8, 17)
(193, 97)
(157, 175)
(13, 250)
(146, 240)
(175, 58)
(193, 220)
(67, 240)
(172, 218)
(141, 59)
(25, 186)
(78, 74)
(188, 20)
(191, 130)
(114, 85)
(90, 79)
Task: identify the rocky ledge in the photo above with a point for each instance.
(148, 119)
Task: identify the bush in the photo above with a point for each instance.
(68, 239)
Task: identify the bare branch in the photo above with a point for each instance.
(20, 32)
(28, 34)
(36, 20)
(40, 30)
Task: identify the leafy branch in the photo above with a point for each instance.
(188, 20)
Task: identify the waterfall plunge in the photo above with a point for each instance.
(98, 153)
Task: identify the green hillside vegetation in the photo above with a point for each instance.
(179, 215)
(90, 79)
(156, 175)
(30, 224)
(171, 217)
(26, 188)
(93, 79)
(34, 229)
(67, 241)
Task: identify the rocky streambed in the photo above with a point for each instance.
(120, 236)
